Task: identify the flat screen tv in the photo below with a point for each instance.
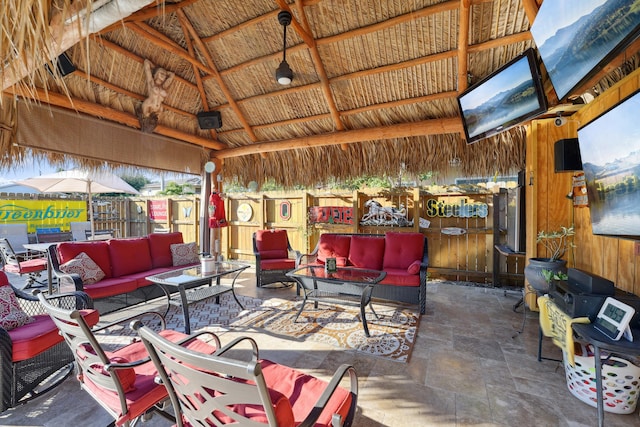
(507, 97)
(576, 38)
(610, 152)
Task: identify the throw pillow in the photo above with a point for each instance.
(11, 314)
(184, 253)
(414, 268)
(85, 267)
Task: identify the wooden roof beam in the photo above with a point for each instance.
(304, 31)
(223, 87)
(463, 42)
(427, 11)
(530, 9)
(154, 37)
(402, 130)
(391, 104)
(196, 72)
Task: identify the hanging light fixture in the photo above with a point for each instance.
(284, 75)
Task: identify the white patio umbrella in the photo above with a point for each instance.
(80, 181)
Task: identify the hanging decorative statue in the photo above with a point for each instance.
(158, 81)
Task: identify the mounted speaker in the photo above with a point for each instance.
(63, 64)
(567, 155)
(210, 120)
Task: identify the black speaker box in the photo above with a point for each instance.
(63, 64)
(567, 155)
(210, 120)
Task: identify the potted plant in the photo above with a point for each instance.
(557, 243)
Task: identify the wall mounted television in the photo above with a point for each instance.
(576, 38)
(610, 152)
(507, 97)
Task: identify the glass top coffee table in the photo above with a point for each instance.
(344, 285)
(188, 281)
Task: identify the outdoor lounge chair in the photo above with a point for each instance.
(31, 349)
(218, 389)
(17, 235)
(18, 264)
(121, 380)
(274, 257)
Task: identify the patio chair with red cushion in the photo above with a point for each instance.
(31, 349)
(114, 366)
(274, 257)
(22, 264)
(218, 389)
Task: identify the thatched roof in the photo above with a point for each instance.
(374, 88)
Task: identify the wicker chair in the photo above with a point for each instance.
(120, 378)
(274, 257)
(217, 389)
(32, 353)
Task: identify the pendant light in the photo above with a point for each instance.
(284, 75)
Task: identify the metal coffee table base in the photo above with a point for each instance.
(316, 296)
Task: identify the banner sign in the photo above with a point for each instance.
(158, 210)
(331, 214)
(53, 214)
(458, 209)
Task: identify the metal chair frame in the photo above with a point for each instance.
(32, 265)
(97, 371)
(203, 388)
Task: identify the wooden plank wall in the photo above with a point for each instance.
(465, 257)
(548, 207)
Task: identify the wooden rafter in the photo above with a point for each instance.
(402, 130)
(223, 87)
(196, 72)
(463, 43)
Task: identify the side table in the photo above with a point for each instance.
(590, 334)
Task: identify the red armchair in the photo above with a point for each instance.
(31, 349)
(274, 256)
(217, 389)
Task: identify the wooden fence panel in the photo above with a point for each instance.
(466, 256)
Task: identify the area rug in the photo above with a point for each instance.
(391, 336)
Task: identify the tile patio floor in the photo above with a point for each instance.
(470, 366)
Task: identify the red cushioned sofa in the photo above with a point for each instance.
(403, 256)
(125, 262)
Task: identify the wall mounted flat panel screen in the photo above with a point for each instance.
(576, 38)
(509, 96)
(610, 153)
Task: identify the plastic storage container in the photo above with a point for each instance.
(620, 378)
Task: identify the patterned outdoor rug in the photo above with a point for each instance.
(392, 336)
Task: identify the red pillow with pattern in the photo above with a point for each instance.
(11, 314)
(85, 267)
(184, 253)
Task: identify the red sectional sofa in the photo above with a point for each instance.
(403, 256)
(125, 263)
